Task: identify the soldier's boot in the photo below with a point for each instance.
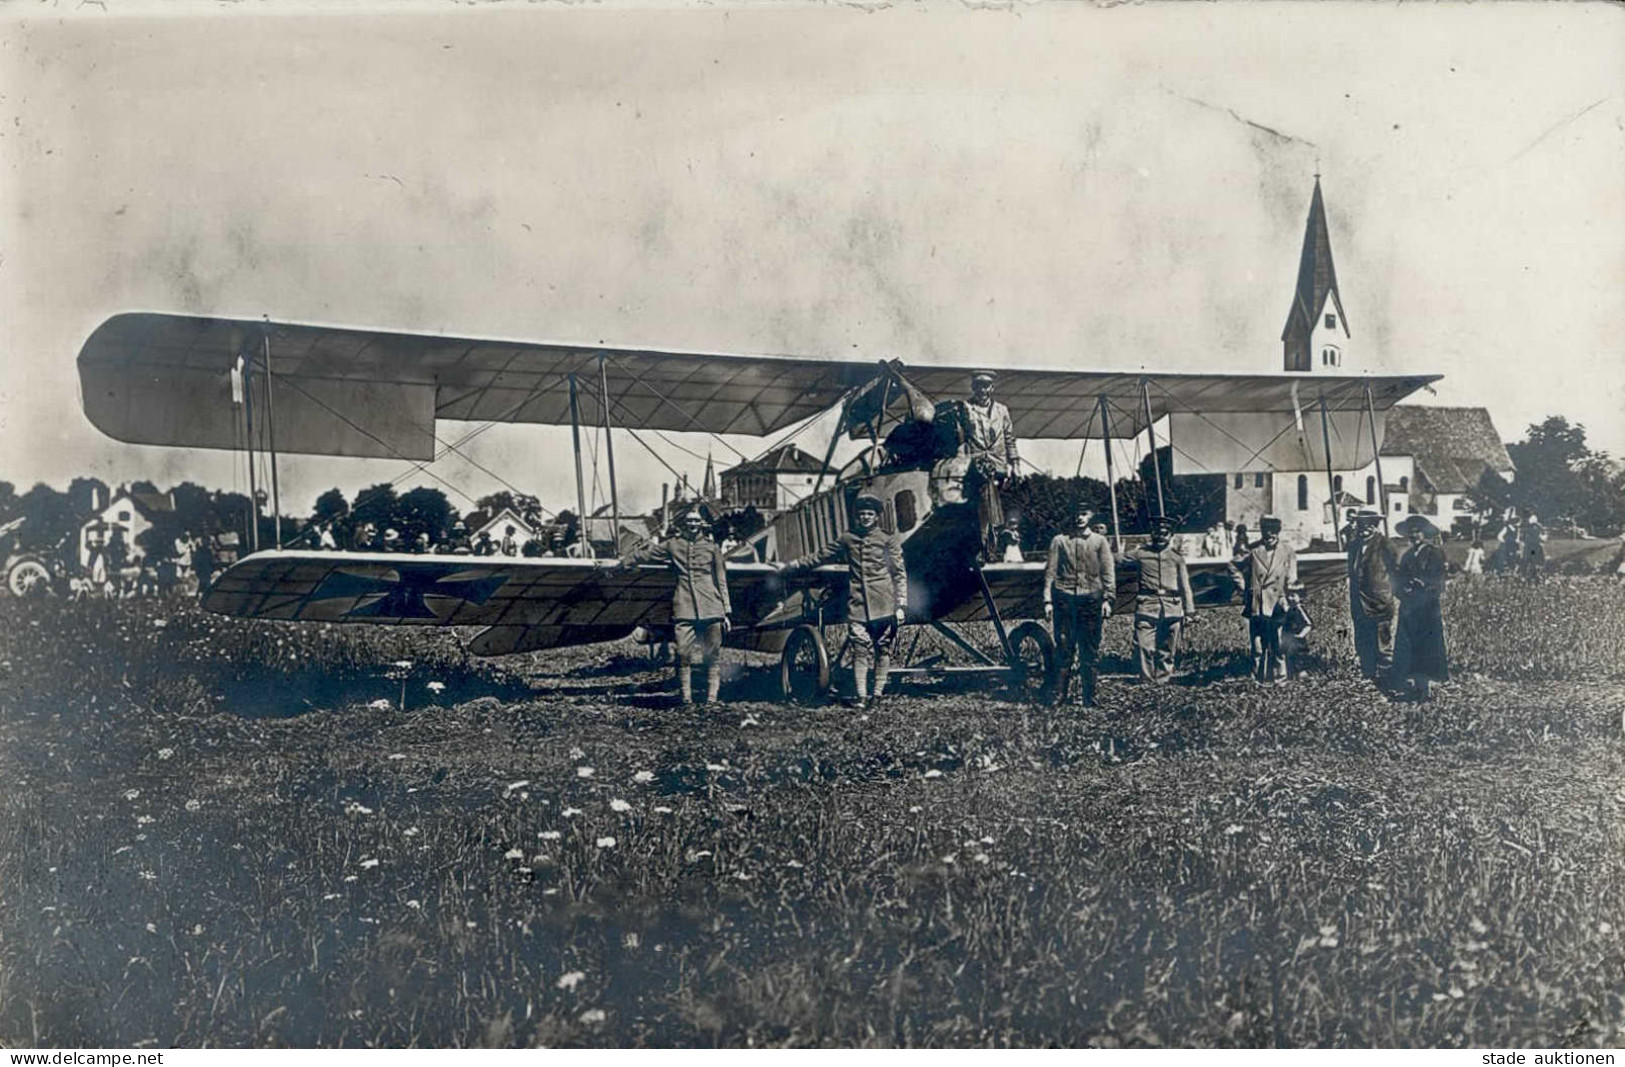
(1086, 686)
(1063, 686)
(685, 682)
(860, 682)
(713, 682)
(882, 670)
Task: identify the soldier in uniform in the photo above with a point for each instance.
(699, 600)
(985, 448)
(1270, 572)
(877, 590)
(1163, 605)
(1373, 608)
(1080, 583)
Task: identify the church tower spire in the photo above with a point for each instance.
(1315, 325)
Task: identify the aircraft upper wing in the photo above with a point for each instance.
(522, 603)
(166, 379)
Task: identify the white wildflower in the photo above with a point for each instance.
(516, 785)
(438, 687)
(334, 896)
(415, 905)
(606, 842)
(514, 854)
(933, 773)
(593, 1016)
(643, 776)
(144, 820)
(380, 705)
(166, 753)
(151, 928)
(397, 755)
(410, 831)
(570, 813)
(915, 809)
(403, 664)
(131, 794)
(194, 804)
(577, 754)
(662, 810)
(369, 864)
(619, 805)
(571, 980)
(549, 835)
(585, 772)
(797, 864)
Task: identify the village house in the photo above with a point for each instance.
(772, 482)
(132, 513)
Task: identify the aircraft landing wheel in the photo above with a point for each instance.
(804, 667)
(28, 578)
(1033, 669)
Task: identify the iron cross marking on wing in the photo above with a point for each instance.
(404, 592)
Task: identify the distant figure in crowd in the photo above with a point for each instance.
(533, 548)
(1373, 609)
(1419, 653)
(1271, 568)
(458, 545)
(1345, 534)
(1098, 527)
(877, 591)
(1532, 537)
(1473, 565)
(1216, 544)
(1505, 560)
(118, 552)
(1012, 545)
(1163, 605)
(699, 600)
(510, 542)
(203, 564)
(392, 540)
(1080, 584)
(1619, 560)
(421, 545)
(325, 539)
(1241, 545)
(484, 546)
(362, 536)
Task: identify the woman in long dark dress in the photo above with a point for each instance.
(1419, 649)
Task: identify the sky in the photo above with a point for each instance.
(1032, 184)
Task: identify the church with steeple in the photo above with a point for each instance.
(1316, 329)
(1432, 457)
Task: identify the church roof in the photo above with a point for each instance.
(1451, 447)
(786, 459)
(1317, 276)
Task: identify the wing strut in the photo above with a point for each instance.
(609, 446)
(1111, 484)
(1151, 431)
(1376, 453)
(581, 486)
(1331, 482)
(270, 422)
(253, 484)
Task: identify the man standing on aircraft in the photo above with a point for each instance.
(985, 441)
(877, 590)
(699, 601)
(1373, 608)
(1163, 606)
(1271, 569)
(1080, 583)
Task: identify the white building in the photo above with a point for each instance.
(133, 514)
(778, 480)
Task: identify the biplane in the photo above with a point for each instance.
(179, 380)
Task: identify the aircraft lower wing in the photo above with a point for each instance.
(1018, 588)
(523, 604)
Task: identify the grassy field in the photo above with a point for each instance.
(221, 833)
